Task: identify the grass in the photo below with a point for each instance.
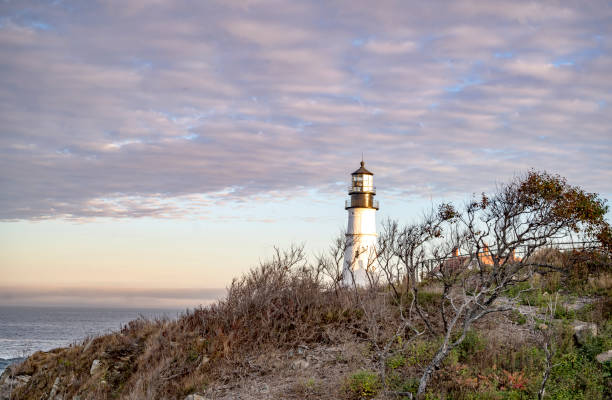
(251, 335)
(363, 385)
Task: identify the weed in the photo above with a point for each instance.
(428, 297)
(563, 312)
(594, 345)
(573, 376)
(421, 351)
(472, 343)
(193, 356)
(363, 385)
(396, 361)
(518, 318)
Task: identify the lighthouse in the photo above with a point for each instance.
(360, 251)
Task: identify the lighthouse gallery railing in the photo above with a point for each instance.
(362, 189)
(360, 204)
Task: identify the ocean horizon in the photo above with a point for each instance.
(25, 330)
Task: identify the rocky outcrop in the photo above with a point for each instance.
(53, 394)
(96, 366)
(195, 397)
(9, 382)
(604, 357)
(583, 331)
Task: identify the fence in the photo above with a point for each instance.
(486, 255)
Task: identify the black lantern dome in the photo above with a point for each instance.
(362, 170)
(362, 190)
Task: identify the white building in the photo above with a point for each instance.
(361, 230)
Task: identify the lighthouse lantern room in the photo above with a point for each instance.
(360, 249)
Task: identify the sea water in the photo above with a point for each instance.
(25, 330)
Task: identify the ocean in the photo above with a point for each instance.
(25, 330)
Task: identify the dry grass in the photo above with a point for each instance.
(281, 332)
(277, 307)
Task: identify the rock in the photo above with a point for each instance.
(6, 363)
(204, 361)
(604, 357)
(584, 330)
(301, 364)
(55, 388)
(195, 396)
(8, 383)
(88, 345)
(96, 365)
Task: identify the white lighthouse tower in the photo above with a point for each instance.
(361, 231)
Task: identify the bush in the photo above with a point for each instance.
(574, 377)
(421, 351)
(363, 385)
(518, 318)
(563, 312)
(396, 361)
(534, 298)
(472, 344)
(598, 312)
(598, 344)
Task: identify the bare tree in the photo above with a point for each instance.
(546, 339)
(527, 214)
(387, 261)
(332, 262)
(472, 253)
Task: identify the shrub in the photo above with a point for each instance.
(472, 344)
(563, 312)
(396, 361)
(574, 377)
(598, 312)
(429, 297)
(534, 298)
(518, 318)
(363, 385)
(421, 351)
(598, 344)
(514, 290)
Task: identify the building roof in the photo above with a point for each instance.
(362, 170)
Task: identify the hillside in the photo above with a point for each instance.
(479, 302)
(283, 332)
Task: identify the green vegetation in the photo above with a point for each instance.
(363, 385)
(287, 329)
(575, 377)
(471, 345)
(517, 317)
(175, 358)
(279, 309)
(396, 361)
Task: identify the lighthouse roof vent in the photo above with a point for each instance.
(362, 170)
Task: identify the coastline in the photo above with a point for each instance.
(25, 330)
(5, 363)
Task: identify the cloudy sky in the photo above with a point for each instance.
(170, 144)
